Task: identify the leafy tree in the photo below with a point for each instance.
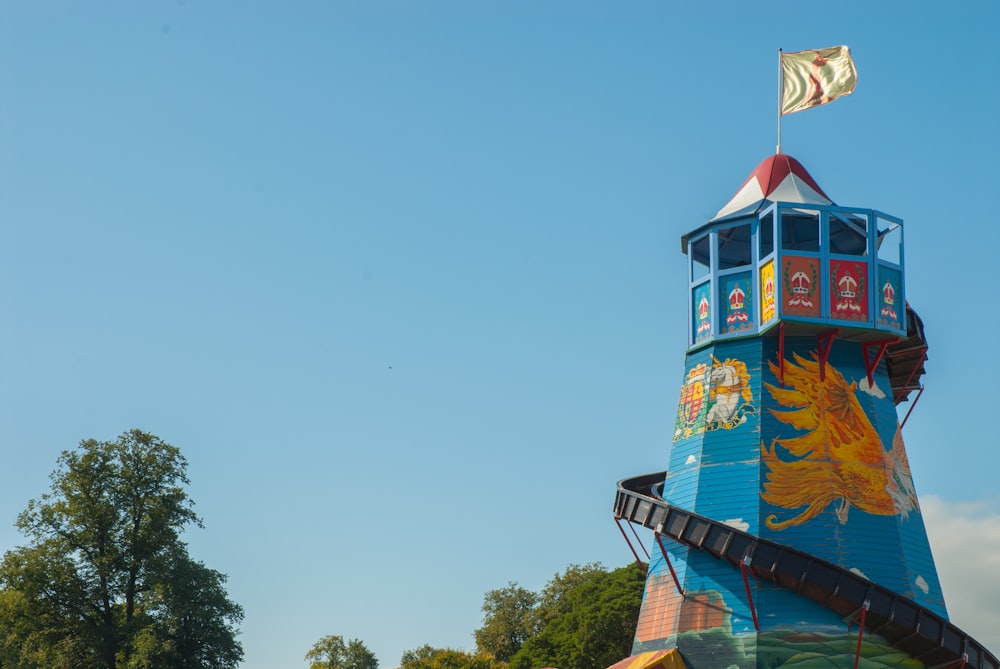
(106, 581)
(508, 621)
(587, 620)
(427, 657)
(413, 659)
(190, 613)
(331, 652)
(554, 601)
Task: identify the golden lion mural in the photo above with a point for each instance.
(840, 457)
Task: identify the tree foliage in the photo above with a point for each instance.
(584, 618)
(508, 621)
(555, 600)
(587, 621)
(332, 652)
(105, 580)
(427, 657)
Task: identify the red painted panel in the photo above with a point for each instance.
(849, 286)
(800, 286)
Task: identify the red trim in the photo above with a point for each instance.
(960, 664)
(666, 557)
(636, 535)
(773, 170)
(824, 343)
(769, 174)
(909, 379)
(625, 536)
(746, 583)
(910, 410)
(861, 632)
(872, 365)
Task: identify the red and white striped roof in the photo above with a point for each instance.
(778, 178)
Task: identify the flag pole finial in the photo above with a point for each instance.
(781, 92)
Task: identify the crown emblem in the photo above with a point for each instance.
(888, 293)
(736, 298)
(800, 283)
(848, 286)
(703, 307)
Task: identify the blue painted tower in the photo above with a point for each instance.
(800, 347)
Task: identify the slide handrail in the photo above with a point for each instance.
(906, 625)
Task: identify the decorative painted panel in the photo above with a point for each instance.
(890, 298)
(702, 316)
(849, 290)
(835, 481)
(767, 297)
(817, 464)
(735, 298)
(831, 453)
(715, 396)
(800, 286)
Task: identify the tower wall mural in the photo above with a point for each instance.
(816, 464)
(787, 510)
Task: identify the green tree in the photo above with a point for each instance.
(587, 620)
(427, 657)
(414, 659)
(332, 652)
(105, 580)
(508, 621)
(554, 601)
(190, 613)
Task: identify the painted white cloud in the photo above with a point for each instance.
(690, 460)
(965, 541)
(737, 523)
(855, 570)
(922, 584)
(873, 390)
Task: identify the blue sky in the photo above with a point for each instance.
(398, 276)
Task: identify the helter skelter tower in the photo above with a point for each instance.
(787, 531)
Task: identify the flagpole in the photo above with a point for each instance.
(781, 83)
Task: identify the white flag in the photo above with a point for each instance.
(816, 77)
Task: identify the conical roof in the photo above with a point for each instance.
(778, 178)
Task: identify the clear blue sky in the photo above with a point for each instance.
(395, 274)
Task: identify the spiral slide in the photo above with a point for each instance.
(906, 625)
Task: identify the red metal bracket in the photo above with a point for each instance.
(666, 557)
(746, 583)
(909, 379)
(638, 540)
(861, 632)
(960, 664)
(781, 354)
(627, 540)
(824, 343)
(871, 365)
(910, 410)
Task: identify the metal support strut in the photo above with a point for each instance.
(872, 365)
(666, 557)
(824, 343)
(618, 522)
(746, 584)
(920, 391)
(861, 632)
(639, 541)
(908, 385)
